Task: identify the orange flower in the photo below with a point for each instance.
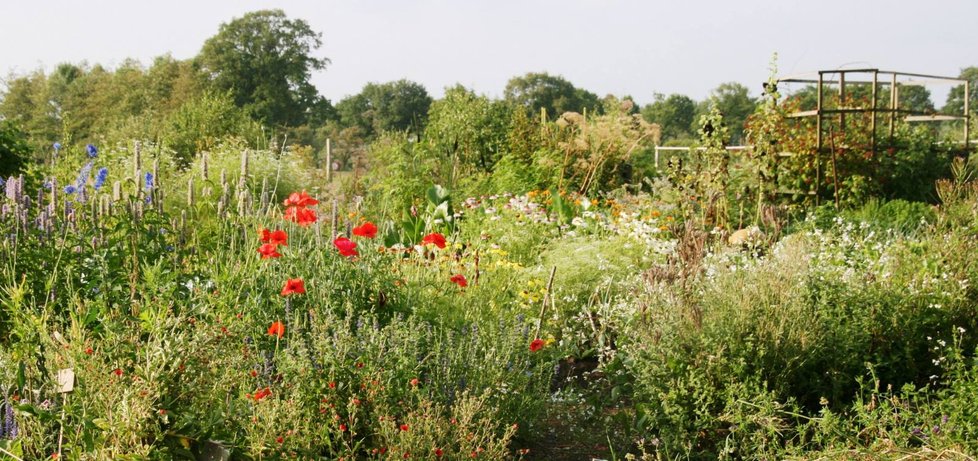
(261, 394)
(459, 280)
(300, 199)
(293, 286)
(414, 382)
(435, 239)
(300, 215)
(367, 229)
(536, 345)
(268, 250)
(277, 329)
(346, 246)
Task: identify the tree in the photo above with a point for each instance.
(14, 150)
(552, 93)
(955, 98)
(265, 60)
(392, 106)
(674, 114)
(734, 102)
(465, 133)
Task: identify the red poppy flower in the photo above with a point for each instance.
(301, 216)
(536, 345)
(278, 237)
(277, 329)
(459, 280)
(367, 229)
(438, 452)
(435, 239)
(89, 351)
(414, 382)
(300, 199)
(293, 286)
(117, 372)
(268, 250)
(262, 393)
(265, 235)
(346, 246)
(332, 384)
(404, 427)
(280, 439)
(342, 427)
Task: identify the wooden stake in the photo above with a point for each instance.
(546, 299)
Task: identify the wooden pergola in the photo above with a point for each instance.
(892, 112)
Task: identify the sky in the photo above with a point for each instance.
(620, 47)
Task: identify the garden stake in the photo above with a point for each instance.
(546, 297)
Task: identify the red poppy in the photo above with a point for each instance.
(280, 439)
(293, 286)
(537, 344)
(414, 382)
(435, 239)
(301, 216)
(265, 235)
(367, 229)
(117, 372)
(262, 393)
(300, 199)
(332, 385)
(459, 280)
(278, 237)
(342, 427)
(89, 351)
(438, 452)
(404, 427)
(277, 329)
(268, 250)
(346, 246)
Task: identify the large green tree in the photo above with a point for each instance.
(735, 103)
(265, 60)
(551, 92)
(673, 113)
(955, 98)
(392, 106)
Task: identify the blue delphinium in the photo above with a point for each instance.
(149, 197)
(57, 146)
(92, 151)
(69, 189)
(83, 175)
(100, 177)
(1, 181)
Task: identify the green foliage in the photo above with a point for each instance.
(466, 134)
(202, 123)
(393, 106)
(265, 60)
(553, 94)
(674, 114)
(14, 149)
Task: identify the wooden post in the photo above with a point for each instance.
(842, 101)
(872, 123)
(967, 115)
(546, 299)
(329, 161)
(893, 103)
(818, 135)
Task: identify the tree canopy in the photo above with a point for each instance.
(393, 106)
(265, 61)
(551, 92)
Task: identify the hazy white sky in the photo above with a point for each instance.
(606, 46)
